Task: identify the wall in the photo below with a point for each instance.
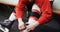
(9, 2)
(56, 4)
(14, 2)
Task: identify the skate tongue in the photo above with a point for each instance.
(4, 29)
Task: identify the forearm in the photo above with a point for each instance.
(20, 8)
(46, 12)
(45, 17)
(20, 20)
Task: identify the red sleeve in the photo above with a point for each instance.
(46, 11)
(20, 8)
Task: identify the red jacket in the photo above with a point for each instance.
(44, 6)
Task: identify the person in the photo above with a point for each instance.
(44, 5)
(46, 11)
(51, 2)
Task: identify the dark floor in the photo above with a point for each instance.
(53, 26)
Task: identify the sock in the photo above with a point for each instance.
(32, 19)
(12, 17)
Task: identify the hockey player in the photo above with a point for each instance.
(46, 11)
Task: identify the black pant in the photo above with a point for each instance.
(51, 3)
(52, 26)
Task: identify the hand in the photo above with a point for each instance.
(21, 25)
(32, 25)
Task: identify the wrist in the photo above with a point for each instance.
(20, 20)
(37, 22)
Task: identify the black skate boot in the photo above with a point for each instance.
(3, 29)
(7, 23)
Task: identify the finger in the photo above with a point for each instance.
(21, 27)
(29, 28)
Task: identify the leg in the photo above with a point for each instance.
(52, 26)
(51, 3)
(12, 16)
(35, 14)
(8, 22)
